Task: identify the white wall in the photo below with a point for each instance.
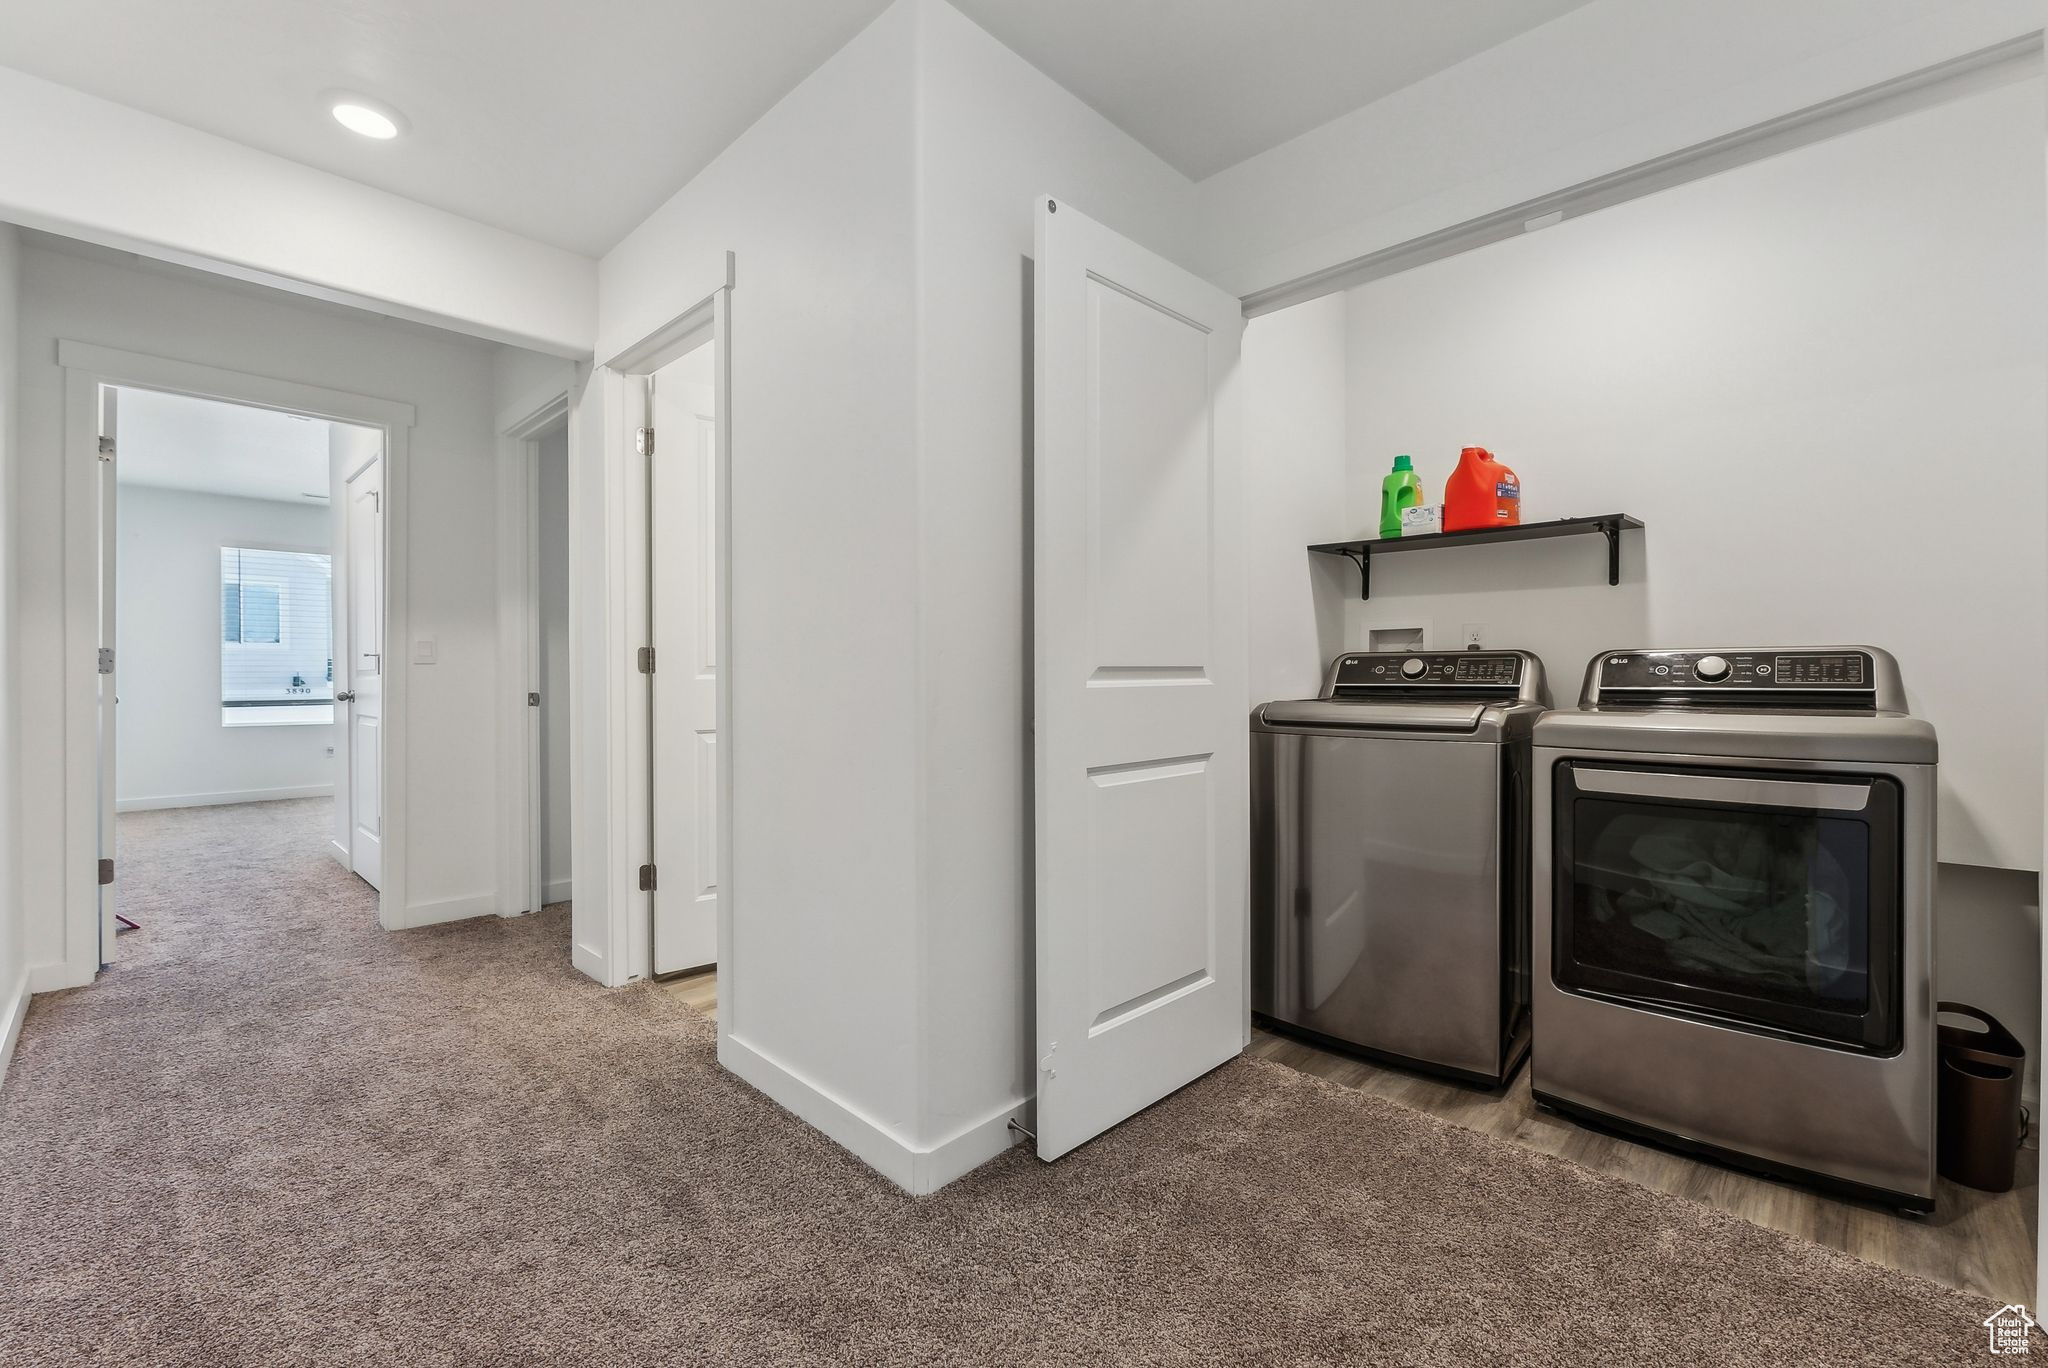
(1822, 381)
(1295, 385)
(816, 201)
(13, 957)
(523, 381)
(1605, 86)
(1819, 379)
(1987, 953)
(881, 218)
(2041, 887)
(172, 192)
(452, 757)
(555, 677)
(993, 133)
(172, 749)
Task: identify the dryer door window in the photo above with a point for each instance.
(1761, 900)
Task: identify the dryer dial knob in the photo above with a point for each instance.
(1413, 669)
(1713, 669)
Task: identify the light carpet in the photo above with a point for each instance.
(276, 1135)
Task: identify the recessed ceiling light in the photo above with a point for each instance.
(365, 116)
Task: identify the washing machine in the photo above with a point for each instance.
(1733, 912)
(1391, 860)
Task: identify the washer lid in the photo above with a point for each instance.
(1879, 738)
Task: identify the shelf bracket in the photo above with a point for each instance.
(1362, 558)
(1608, 525)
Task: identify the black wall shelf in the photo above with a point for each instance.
(1610, 525)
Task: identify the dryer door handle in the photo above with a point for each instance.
(1844, 796)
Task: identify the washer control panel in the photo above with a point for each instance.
(1776, 671)
(1502, 670)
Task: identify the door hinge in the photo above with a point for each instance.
(533, 700)
(643, 441)
(646, 659)
(647, 878)
(106, 871)
(106, 660)
(106, 448)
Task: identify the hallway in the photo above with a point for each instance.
(275, 1134)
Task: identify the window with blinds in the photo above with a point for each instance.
(276, 637)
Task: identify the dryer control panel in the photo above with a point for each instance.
(1851, 676)
(1493, 674)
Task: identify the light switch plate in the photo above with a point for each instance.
(424, 651)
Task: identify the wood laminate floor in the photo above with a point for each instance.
(699, 990)
(1980, 1242)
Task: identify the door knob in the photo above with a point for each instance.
(345, 696)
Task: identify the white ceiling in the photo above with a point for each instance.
(570, 122)
(174, 442)
(1207, 83)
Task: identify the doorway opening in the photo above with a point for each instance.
(652, 593)
(550, 793)
(537, 649)
(241, 626)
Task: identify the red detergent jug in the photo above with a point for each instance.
(1481, 493)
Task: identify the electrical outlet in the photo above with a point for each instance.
(1474, 634)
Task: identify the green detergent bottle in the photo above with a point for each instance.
(1400, 490)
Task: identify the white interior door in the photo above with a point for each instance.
(363, 670)
(683, 540)
(1142, 739)
(109, 697)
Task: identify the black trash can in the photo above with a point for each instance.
(1977, 1136)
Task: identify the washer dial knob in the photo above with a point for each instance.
(1713, 669)
(1412, 668)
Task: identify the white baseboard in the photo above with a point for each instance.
(184, 800)
(973, 1145)
(451, 909)
(557, 890)
(13, 1007)
(55, 976)
(869, 1141)
(586, 961)
(917, 1170)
